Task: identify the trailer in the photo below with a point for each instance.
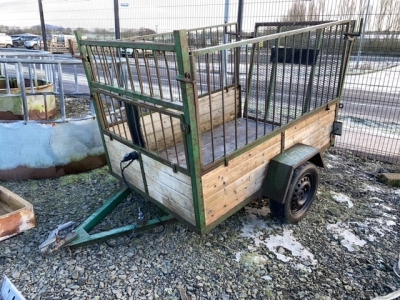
(212, 121)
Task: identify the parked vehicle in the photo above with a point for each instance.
(34, 44)
(19, 39)
(5, 40)
(140, 52)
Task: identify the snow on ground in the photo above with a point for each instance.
(288, 249)
(339, 197)
(347, 238)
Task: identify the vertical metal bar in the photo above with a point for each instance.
(331, 71)
(283, 81)
(173, 137)
(23, 92)
(209, 92)
(168, 78)
(76, 79)
(291, 83)
(320, 75)
(159, 80)
(257, 88)
(139, 73)
(32, 87)
(7, 81)
(163, 135)
(61, 94)
(223, 103)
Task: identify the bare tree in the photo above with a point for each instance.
(388, 17)
(347, 8)
(316, 10)
(297, 12)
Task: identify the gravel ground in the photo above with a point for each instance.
(344, 249)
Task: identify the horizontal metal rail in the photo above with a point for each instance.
(51, 83)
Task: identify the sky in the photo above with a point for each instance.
(158, 15)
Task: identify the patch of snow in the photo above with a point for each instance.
(288, 242)
(238, 256)
(349, 239)
(331, 156)
(253, 223)
(377, 199)
(266, 277)
(293, 251)
(339, 197)
(369, 188)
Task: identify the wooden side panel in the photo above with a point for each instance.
(226, 104)
(173, 190)
(225, 188)
(116, 152)
(314, 130)
(160, 131)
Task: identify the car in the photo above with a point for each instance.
(33, 44)
(141, 52)
(5, 40)
(20, 39)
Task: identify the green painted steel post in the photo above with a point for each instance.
(188, 86)
(86, 57)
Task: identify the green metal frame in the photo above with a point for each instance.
(83, 231)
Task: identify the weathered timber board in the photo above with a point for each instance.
(116, 152)
(16, 214)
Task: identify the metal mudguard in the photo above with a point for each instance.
(282, 166)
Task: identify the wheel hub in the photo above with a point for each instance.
(301, 192)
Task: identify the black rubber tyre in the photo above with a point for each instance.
(8, 46)
(301, 193)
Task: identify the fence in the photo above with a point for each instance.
(42, 87)
(371, 105)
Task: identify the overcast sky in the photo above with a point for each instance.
(160, 15)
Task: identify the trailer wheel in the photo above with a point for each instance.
(301, 193)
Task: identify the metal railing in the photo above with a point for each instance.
(44, 76)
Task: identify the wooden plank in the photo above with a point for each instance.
(167, 170)
(226, 178)
(173, 190)
(223, 206)
(16, 214)
(264, 149)
(310, 120)
(236, 186)
(179, 182)
(294, 137)
(116, 152)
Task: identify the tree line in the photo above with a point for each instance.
(383, 15)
